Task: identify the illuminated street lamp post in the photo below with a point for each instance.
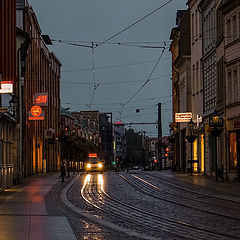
(191, 138)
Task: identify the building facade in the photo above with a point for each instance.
(9, 161)
(89, 122)
(119, 145)
(214, 79)
(41, 74)
(106, 133)
(231, 30)
(213, 86)
(197, 85)
(181, 71)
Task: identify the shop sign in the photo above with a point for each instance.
(40, 99)
(6, 87)
(36, 113)
(216, 121)
(183, 117)
(92, 155)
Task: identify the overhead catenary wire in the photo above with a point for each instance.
(117, 82)
(133, 43)
(133, 24)
(118, 103)
(119, 44)
(109, 43)
(145, 83)
(94, 77)
(114, 66)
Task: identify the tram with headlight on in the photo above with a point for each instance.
(94, 164)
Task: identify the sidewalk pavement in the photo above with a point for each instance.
(23, 214)
(203, 183)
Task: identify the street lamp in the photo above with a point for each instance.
(191, 138)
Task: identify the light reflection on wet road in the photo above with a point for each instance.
(144, 221)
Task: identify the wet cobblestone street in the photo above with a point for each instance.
(116, 187)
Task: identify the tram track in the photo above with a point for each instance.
(151, 190)
(208, 196)
(95, 195)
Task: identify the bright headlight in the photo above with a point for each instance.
(89, 165)
(100, 165)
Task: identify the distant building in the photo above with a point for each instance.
(89, 121)
(67, 122)
(106, 133)
(153, 161)
(119, 145)
(167, 153)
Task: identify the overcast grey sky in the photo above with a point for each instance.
(96, 20)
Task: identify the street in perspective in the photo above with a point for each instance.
(119, 120)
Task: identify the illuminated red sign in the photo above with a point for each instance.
(92, 155)
(36, 113)
(118, 123)
(41, 99)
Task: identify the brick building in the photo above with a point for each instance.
(8, 40)
(8, 147)
(40, 75)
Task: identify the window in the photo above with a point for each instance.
(234, 27)
(229, 30)
(207, 30)
(220, 24)
(193, 33)
(197, 77)
(229, 87)
(193, 79)
(220, 80)
(201, 76)
(233, 151)
(196, 24)
(209, 84)
(235, 84)
(239, 24)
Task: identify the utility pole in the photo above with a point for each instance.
(159, 136)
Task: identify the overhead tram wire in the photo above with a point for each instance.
(110, 43)
(117, 82)
(145, 83)
(73, 43)
(117, 103)
(98, 43)
(114, 66)
(94, 77)
(133, 24)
